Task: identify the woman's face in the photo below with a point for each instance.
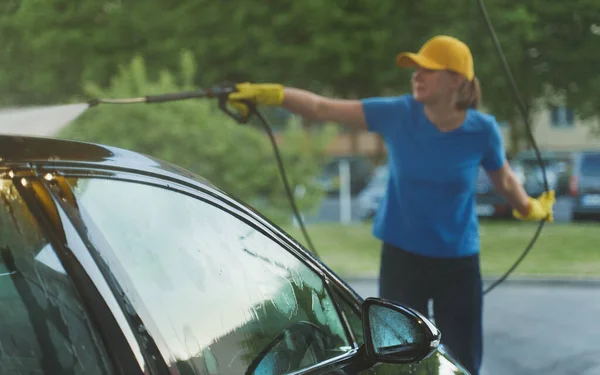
(431, 86)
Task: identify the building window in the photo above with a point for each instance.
(561, 117)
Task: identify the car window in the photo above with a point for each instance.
(43, 326)
(218, 296)
(590, 165)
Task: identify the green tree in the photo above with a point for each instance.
(198, 136)
(338, 47)
(47, 46)
(549, 48)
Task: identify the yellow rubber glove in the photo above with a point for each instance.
(539, 209)
(259, 93)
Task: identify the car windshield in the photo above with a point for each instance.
(44, 328)
(213, 291)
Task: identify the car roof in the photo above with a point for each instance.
(15, 149)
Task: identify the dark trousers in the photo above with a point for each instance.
(455, 287)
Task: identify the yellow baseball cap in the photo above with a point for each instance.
(441, 52)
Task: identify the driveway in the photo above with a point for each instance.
(536, 329)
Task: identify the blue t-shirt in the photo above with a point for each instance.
(429, 206)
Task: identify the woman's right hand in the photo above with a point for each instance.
(258, 93)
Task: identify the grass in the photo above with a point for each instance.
(562, 250)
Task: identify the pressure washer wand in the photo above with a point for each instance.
(215, 92)
(220, 92)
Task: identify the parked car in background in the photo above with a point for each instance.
(581, 182)
(527, 166)
(370, 197)
(113, 262)
(361, 170)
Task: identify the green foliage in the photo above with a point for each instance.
(338, 47)
(198, 136)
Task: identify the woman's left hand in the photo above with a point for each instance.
(539, 209)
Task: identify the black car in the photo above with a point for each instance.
(113, 262)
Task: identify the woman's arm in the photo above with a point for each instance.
(302, 102)
(310, 105)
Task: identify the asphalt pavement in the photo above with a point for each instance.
(536, 328)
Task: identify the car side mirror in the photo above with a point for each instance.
(396, 334)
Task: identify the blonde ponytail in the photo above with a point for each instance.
(469, 95)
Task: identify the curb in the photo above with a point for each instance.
(521, 280)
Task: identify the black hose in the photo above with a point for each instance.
(286, 183)
(524, 113)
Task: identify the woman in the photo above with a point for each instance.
(436, 141)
